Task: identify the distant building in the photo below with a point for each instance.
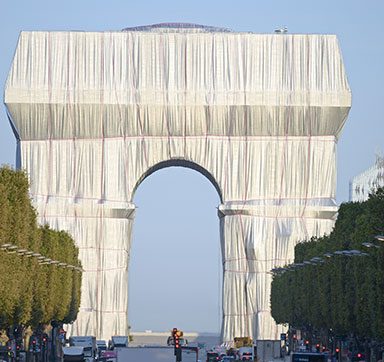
(363, 184)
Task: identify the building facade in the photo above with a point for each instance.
(368, 181)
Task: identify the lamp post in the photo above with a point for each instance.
(379, 237)
(41, 259)
(368, 244)
(21, 251)
(12, 249)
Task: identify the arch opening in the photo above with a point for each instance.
(166, 239)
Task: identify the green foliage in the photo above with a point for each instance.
(345, 294)
(30, 293)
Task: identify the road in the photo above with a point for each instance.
(152, 354)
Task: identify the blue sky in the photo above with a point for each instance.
(177, 225)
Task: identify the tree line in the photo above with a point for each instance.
(31, 293)
(343, 292)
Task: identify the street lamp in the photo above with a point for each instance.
(317, 260)
(370, 245)
(43, 260)
(338, 252)
(21, 251)
(354, 252)
(278, 270)
(351, 252)
(11, 249)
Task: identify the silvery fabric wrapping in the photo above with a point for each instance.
(258, 114)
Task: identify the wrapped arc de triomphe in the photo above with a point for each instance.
(94, 113)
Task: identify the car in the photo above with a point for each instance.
(108, 356)
(228, 358)
(308, 357)
(212, 357)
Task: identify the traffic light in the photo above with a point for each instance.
(337, 353)
(176, 340)
(318, 347)
(9, 351)
(34, 345)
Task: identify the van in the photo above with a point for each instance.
(119, 342)
(88, 343)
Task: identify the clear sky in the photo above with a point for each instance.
(177, 225)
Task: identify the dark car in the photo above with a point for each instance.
(308, 357)
(212, 357)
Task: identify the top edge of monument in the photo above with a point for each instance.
(178, 28)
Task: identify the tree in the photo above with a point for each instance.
(32, 293)
(347, 293)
